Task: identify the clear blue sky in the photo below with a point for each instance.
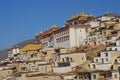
(22, 19)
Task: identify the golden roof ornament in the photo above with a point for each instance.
(107, 12)
(82, 14)
(54, 27)
(79, 19)
(91, 15)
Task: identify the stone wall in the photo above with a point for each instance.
(39, 78)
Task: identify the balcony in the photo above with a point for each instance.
(63, 64)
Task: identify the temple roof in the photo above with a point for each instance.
(81, 17)
(82, 14)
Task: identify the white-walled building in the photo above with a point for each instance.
(66, 62)
(46, 38)
(106, 59)
(13, 52)
(66, 37)
(71, 36)
(105, 75)
(115, 46)
(96, 22)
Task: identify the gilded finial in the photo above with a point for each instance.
(107, 12)
(82, 13)
(91, 15)
(54, 27)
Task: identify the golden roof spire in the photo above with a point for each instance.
(91, 15)
(82, 14)
(54, 27)
(107, 12)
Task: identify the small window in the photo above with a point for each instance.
(115, 49)
(82, 58)
(89, 65)
(63, 59)
(94, 66)
(104, 33)
(70, 23)
(110, 49)
(75, 22)
(106, 54)
(8, 72)
(117, 20)
(115, 60)
(99, 41)
(94, 76)
(106, 59)
(96, 60)
(115, 75)
(71, 59)
(67, 59)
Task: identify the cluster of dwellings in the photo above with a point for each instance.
(50, 56)
(39, 62)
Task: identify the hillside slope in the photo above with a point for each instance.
(4, 53)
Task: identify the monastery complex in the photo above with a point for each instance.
(85, 48)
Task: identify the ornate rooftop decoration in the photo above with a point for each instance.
(54, 27)
(107, 12)
(91, 15)
(82, 14)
